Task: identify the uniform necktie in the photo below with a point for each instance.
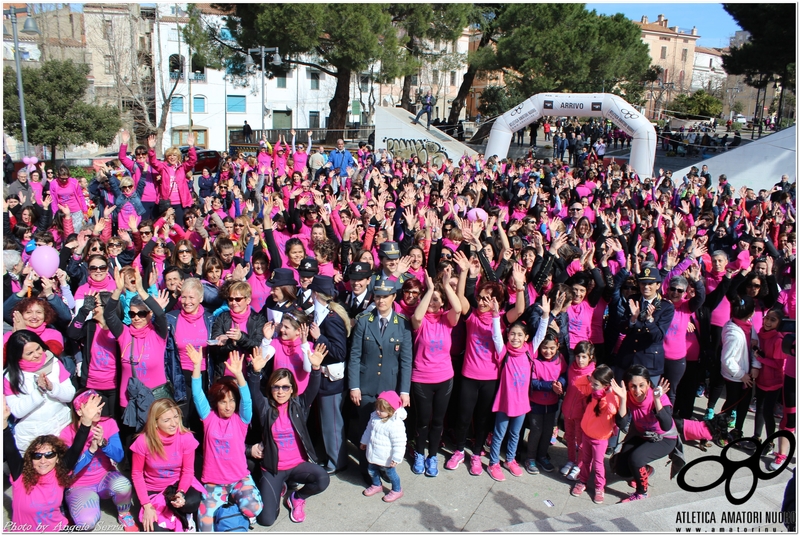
(383, 325)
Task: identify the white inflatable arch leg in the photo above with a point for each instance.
(623, 114)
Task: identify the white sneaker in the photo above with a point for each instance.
(575, 471)
(778, 461)
(566, 468)
(190, 525)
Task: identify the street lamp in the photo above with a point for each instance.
(29, 28)
(249, 63)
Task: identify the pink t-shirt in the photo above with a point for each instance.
(721, 314)
(100, 465)
(40, 509)
(70, 195)
(289, 355)
(574, 402)
(148, 354)
(224, 461)
(260, 291)
(692, 346)
(597, 330)
(103, 363)
(675, 341)
(514, 382)
(547, 370)
(288, 442)
(433, 363)
(579, 323)
(195, 334)
(159, 472)
(480, 361)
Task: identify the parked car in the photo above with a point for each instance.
(740, 119)
(205, 158)
(102, 159)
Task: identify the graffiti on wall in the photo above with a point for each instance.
(426, 150)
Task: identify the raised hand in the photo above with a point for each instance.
(545, 307)
(151, 141)
(461, 260)
(190, 139)
(91, 409)
(269, 330)
(635, 308)
(125, 136)
(618, 389)
(258, 360)
(318, 355)
(235, 364)
(119, 279)
(304, 333)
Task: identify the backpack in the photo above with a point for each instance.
(229, 518)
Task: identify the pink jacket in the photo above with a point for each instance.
(178, 175)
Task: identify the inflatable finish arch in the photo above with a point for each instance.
(629, 119)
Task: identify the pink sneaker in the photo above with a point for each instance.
(393, 496)
(455, 461)
(296, 508)
(495, 472)
(634, 497)
(475, 465)
(127, 522)
(372, 490)
(599, 496)
(514, 468)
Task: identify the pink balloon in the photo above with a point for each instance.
(44, 261)
(26, 160)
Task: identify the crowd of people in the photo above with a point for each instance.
(212, 342)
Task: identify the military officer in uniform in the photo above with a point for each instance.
(645, 323)
(307, 269)
(359, 299)
(380, 358)
(391, 265)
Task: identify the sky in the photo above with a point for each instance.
(714, 25)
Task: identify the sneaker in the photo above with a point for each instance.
(778, 410)
(749, 445)
(700, 391)
(371, 491)
(514, 468)
(546, 465)
(531, 467)
(554, 438)
(128, 524)
(296, 508)
(418, 463)
(753, 405)
(566, 468)
(475, 465)
(495, 472)
(578, 488)
(573, 473)
(190, 525)
(779, 460)
(634, 497)
(599, 496)
(733, 417)
(649, 471)
(709, 413)
(455, 461)
(431, 466)
(393, 496)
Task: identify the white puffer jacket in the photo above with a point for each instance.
(736, 353)
(37, 413)
(385, 441)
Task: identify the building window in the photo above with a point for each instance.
(414, 79)
(108, 63)
(364, 83)
(435, 77)
(198, 104)
(181, 137)
(107, 29)
(176, 66)
(281, 81)
(177, 104)
(236, 104)
(685, 54)
(174, 35)
(452, 78)
(315, 81)
(663, 52)
(313, 119)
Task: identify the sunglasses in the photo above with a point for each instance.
(181, 251)
(98, 268)
(160, 244)
(115, 245)
(47, 455)
(281, 388)
(236, 299)
(49, 172)
(146, 232)
(191, 216)
(127, 188)
(677, 290)
(411, 292)
(754, 285)
(446, 256)
(370, 205)
(141, 314)
(575, 209)
(238, 226)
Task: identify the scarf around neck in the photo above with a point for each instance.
(240, 319)
(191, 319)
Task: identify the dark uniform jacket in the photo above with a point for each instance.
(380, 362)
(643, 343)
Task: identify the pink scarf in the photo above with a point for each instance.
(102, 285)
(745, 326)
(29, 366)
(191, 319)
(241, 319)
(139, 333)
(38, 330)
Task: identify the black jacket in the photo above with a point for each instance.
(299, 407)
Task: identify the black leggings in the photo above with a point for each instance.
(192, 499)
(477, 398)
(673, 371)
(686, 390)
(789, 404)
(431, 401)
(764, 414)
(313, 477)
(738, 396)
(635, 454)
(541, 427)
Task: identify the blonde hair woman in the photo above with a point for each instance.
(173, 187)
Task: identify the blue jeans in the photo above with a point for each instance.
(500, 428)
(391, 474)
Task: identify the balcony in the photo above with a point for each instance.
(197, 77)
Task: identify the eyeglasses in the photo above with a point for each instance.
(677, 290)
(47, 455)
(98, 268)
(281, 388)
(114, 245)
(446, 256)
(238, 226)
(182, 251)
(753, 285)
(127, 188)
(575, 209)
(236, 299)
(146, 232)
(411, 292)
(141, 314)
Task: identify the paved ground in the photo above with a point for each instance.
(457, 501)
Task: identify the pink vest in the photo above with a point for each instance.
(547, 370)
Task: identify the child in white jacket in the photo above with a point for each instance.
(737, 338)
(384, 441)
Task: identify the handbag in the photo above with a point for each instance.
(335, 371)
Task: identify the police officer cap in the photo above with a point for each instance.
(308, 267)
(390, 250)
(648, 275)
(386, 287)
(359, 271)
